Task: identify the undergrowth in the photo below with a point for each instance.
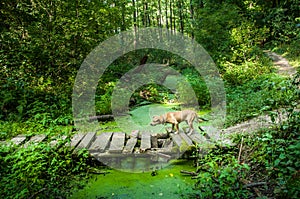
(41, 171)
(258, 96)
(263, 164)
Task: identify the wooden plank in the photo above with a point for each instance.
(135, 134)
(188, 141)
(75, 140)
(198, 138)
(145, 141)
(130, 145)
(18, 140)
(154, 141)
(101, 142)
(212, 133)
(177, 139)
(117, 143)
(167, 146)
(35, 139)
(86, 141)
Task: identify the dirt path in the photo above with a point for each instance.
(255, 124)
(282, 64)
(264, 121)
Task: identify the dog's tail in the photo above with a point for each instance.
(201, 119)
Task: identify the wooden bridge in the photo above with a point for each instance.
(115, 148)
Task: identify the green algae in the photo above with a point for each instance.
(140, 118)
(166, 183)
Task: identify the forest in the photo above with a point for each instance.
(44, 43)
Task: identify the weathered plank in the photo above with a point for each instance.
(154, 141)
(130, 145)
(101, 142)
(177, 139)
(86, 141)
(117, 143)
(145, 141)
(135, 134)
(198, 138)
(18, 140)
(167, 146)
(211, 133)
(35, 139)
(75, 140)
(186, 139)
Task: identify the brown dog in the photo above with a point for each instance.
(175, 118)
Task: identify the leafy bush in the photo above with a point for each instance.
(247, 60)
(220, 175)
(12, 129)
(238, 74)
(273, 156)
(40, 171)
(198, 85)
(21, 101)
(266, 93)
(268, 160)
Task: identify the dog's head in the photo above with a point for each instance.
(157, 120)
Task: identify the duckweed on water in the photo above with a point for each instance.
(165, 183)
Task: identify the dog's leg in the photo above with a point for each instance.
(177, 127)
(174, 122)
(191, 127)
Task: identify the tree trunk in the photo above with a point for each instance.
(192, 18)
(159, 14)
(166, 17)
(171, 15)
(180, 7)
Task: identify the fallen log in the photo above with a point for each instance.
(191, 173)
(99, 117)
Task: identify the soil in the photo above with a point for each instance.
(282, 64)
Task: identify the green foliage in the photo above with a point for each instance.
(213, 29)
(198, 85)
(220, 175)
(269, 156)
(275, 153)
(103, 98)
(253, 98)
(241, 73)
(43, 44)
(9, 130)
(40, 170)
(247, 61)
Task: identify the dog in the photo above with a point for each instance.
(175, 118)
